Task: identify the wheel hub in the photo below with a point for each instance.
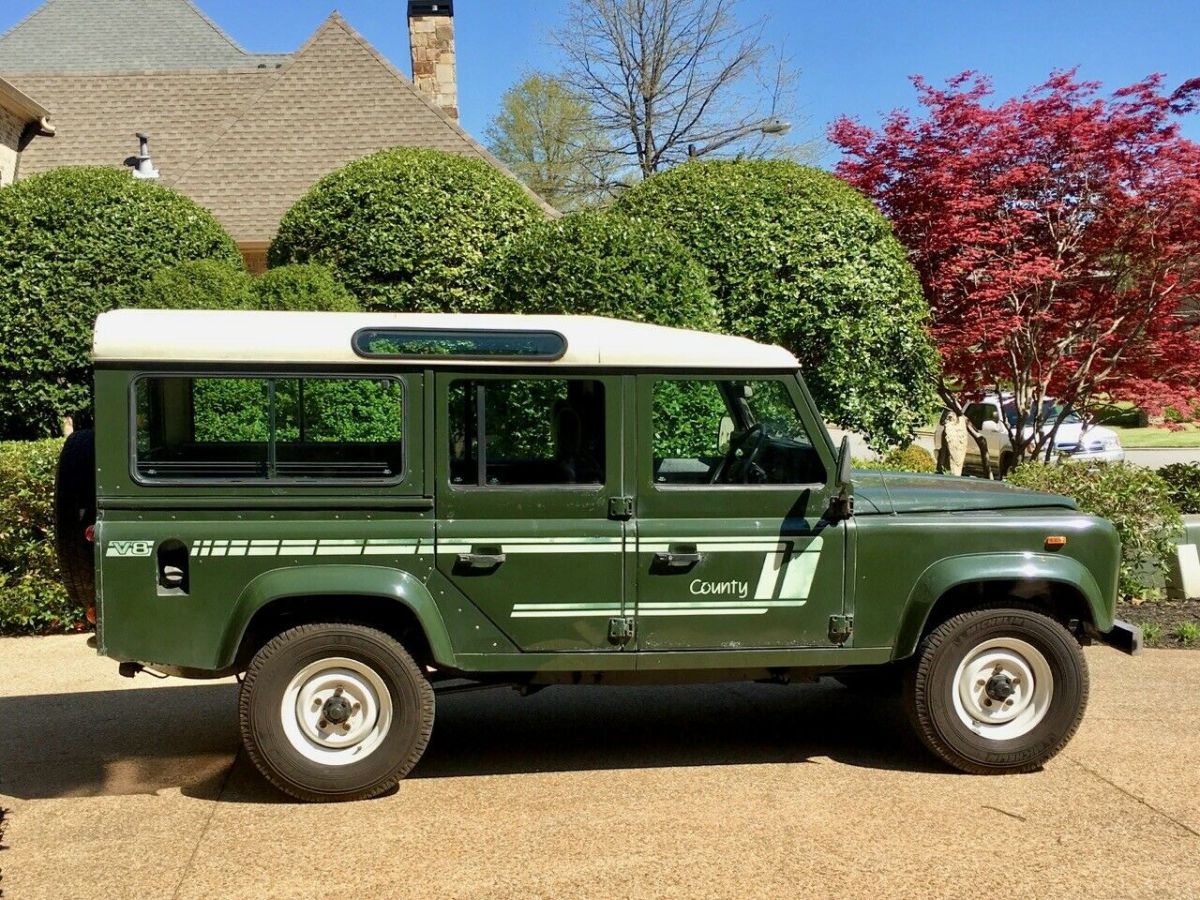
(1000, 686)
(1003, 688)
(336, 711)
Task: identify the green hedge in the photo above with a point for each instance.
(900, 459)
(75, 242)
(408, 230)
(604, 265)
(32, 598)
(1183, 481)
(1136, 500)
(799, 258)
(209, 284)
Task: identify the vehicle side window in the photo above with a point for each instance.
(978, 413)
(730, 432)
(526, 431)
(268, 428)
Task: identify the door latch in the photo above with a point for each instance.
(840, 628)
(620, 508)
(620, 631)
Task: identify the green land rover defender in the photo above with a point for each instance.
(355, 511)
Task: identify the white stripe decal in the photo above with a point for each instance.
(565, 613)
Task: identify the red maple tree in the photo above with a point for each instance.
(1057, 236)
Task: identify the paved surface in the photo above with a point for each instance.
(1152, 459)
(136, 789)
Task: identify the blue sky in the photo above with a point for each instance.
(854, 57)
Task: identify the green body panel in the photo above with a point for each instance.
(773, 568)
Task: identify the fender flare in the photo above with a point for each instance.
(344, 580)
(954, 571)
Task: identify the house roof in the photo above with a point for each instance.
(120, 36)
(251, 336)
(246, 143)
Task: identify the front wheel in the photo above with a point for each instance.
(997, 690)
(335, 712)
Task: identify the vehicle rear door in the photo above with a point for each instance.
(527, 466)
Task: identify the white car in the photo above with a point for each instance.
(1075, 437)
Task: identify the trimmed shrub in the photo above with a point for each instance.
(407, 229)
(799, 258)
(302, 287)
(32, 597)
(1136, 500)
(199, 284)
(73, 243)
(900, 459)
(604, 265)
(1183, 482)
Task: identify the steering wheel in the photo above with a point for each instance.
(738, 461)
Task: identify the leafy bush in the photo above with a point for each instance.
(604, 265)
(1136, 500)
(799, 258)
(32, 597)
(407, 229)
(900, 459)
(302, 287)
(1183, 482)
(199, 284)
(73, 243)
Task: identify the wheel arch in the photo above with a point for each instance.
(1060, 585)
(391, 600)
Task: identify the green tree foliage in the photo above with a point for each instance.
(603, 265)
(302, 287)
(1136, 500)
(900, 459)
(548, 135)
(199, 284)
(1183, 480)
(407, 230)
(73, 243)
(799, 258)
(32, 597)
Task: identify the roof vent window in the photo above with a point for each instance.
(422, 343)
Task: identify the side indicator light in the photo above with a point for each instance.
(1054, 541)
(89, 534)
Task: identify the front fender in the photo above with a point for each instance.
(348, 581)
(954, 571)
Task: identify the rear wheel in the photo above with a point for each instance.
(997, 690)
(335, 712)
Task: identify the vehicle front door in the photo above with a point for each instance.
(733, 550)
(527, 466)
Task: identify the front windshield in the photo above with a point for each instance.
(1051, 410)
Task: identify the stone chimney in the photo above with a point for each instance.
(431, 37)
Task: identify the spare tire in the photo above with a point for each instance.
(74, 511)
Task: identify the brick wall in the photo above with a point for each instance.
(10, 135)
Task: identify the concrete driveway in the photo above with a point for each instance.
(137, 789)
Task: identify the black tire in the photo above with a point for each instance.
(931, 689)
(276, 755)
(74, 511)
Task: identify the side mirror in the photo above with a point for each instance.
(843, 464)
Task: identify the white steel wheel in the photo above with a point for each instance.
(1003, 688)
(997, 690)
(335, 712)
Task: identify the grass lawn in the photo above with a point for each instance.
(1158, 437)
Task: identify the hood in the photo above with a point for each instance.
(905, 492)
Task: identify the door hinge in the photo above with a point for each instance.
(840, 628)
(620, 508)
(620, 631)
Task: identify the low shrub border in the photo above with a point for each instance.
(32, 597)
(1183, 482)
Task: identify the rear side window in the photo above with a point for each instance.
(526, 431)
(249, 429)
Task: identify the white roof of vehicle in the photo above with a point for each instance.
(248, 336)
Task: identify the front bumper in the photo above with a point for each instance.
(1104, 456)
(1123, 636)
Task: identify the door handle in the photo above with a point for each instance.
(672, 560)
(481, 560)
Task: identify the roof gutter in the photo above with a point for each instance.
(26, 107)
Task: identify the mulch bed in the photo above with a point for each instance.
(1167, 615)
